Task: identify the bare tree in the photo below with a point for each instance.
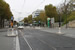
(66, 8)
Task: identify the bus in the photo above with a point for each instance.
(21, 24)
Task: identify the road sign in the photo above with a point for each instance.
(12, 18)
(52, 20)
(39, 21)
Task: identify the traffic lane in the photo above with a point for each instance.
(22, 42)
(58, 41)
(37, 44)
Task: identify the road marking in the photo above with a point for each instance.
(14, 44)
(46, 43)
(17, 43)
(26, 40)
(38, 39)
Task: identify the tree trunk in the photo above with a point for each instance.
(3, 23)
(0, 22)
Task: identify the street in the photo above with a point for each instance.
(37, 24)
(35, 39)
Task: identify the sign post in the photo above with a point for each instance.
(12, 24)
(12, 21)
(52, 22)
(12, 29)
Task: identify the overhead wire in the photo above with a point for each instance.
(39, 5)
(36, 7)
(31, 10)
(23, 4)
(21, 10)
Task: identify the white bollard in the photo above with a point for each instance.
(11, 33)
(8, 32)
(59, 30)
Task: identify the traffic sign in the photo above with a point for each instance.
(52, 20)
(12, 18)
(39, 21)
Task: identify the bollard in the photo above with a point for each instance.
(59, 30)
(11, 33)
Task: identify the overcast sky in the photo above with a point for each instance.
(23, 8)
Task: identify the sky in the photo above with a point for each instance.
(23, 8)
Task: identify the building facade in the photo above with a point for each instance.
(36, 13)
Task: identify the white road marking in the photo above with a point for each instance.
(26, 40)
(17, 43)
(14, 44)
(45, 43)
(38, 39)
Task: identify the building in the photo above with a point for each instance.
(36, 13)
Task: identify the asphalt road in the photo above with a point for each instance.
(33, 39)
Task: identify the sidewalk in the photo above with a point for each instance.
(70, 32)
(6, 43)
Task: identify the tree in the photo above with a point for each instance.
(25, 20)
(30, 19)
(71, 16)
(43, 17)
(66, 9)
(5, 12)
(50, 10)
